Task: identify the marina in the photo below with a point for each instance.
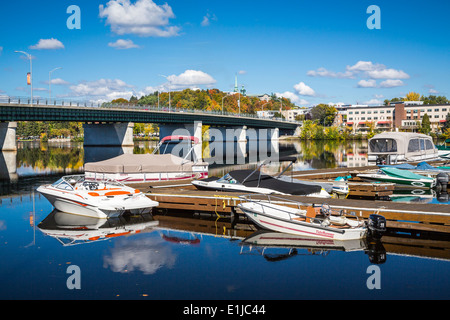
(203, 233)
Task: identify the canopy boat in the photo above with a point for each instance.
(399, 176)
(95, 198)
(401, 147)
(257, 182)
(161, 165)
(286, 216)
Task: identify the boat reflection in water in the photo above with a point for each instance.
(70, 229)
(276, 246)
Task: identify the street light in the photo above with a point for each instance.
(50, 82)
(31, 71)
(169, 87)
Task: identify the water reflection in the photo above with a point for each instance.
(276, 246)
(70, 229)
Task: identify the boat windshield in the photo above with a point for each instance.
(383, 145)
(227, 179)
(62, 184)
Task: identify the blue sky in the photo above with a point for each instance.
(311, 52)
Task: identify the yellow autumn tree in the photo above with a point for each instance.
(412, 96)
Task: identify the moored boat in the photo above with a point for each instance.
(254, 181)
(399, 176)
(161, 165)
(287, 216)
(95, 198)
(401, 147)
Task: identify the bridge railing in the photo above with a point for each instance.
(38, 102)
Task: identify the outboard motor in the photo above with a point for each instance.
(442, 181)
(377, 226)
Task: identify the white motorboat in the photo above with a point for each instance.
(255, 181)
(95, 198)
(282, 215)
(163, 164)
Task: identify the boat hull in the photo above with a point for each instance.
(271, 219)
(425, 183)
(75, 204)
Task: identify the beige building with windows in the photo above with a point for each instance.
(406, 116)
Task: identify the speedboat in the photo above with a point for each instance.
(399, 176)
(163, 164)
(95, 198)
(254, 181)
(287, 216)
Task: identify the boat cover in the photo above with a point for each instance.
(425, 166)
(265, 181)
(141, 163)
(405, 166)
(405, 174)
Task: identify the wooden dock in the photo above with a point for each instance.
(363, 201)
(411, 217)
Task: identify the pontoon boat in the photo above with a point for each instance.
(161, 165)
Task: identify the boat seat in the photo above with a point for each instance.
(310, 214)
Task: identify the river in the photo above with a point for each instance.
(190, 256)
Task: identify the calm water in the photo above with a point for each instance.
(190, 257)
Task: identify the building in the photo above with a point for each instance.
(406, 116)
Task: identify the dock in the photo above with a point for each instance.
(363, 200)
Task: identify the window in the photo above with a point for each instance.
(414, 145)
(429, 145)
(422, 144)
(383, 145)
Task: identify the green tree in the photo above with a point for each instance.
(324, 114)
(425, 127)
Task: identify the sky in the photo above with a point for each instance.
(309, 51)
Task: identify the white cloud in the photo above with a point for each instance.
(143, 18)
(322, 72)
(365, 66)
(391, 83)
(367, 83)
(433, 91)
(304, 90)
(242, 72)
(191, 78)
(58, 81)
(102, 90)
(207, 19)
(48, 44)
(373, 102)
(293, 97)
(387, 74)
(123, 44)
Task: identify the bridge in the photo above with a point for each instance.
(112, 125)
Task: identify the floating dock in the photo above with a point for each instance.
(363, 200)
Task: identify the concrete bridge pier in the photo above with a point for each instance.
(185, 129)
(8, 136)
(108, 135)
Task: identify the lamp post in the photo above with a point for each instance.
(31, 71)
(222, 103)
(169, 87)
(50, 82)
